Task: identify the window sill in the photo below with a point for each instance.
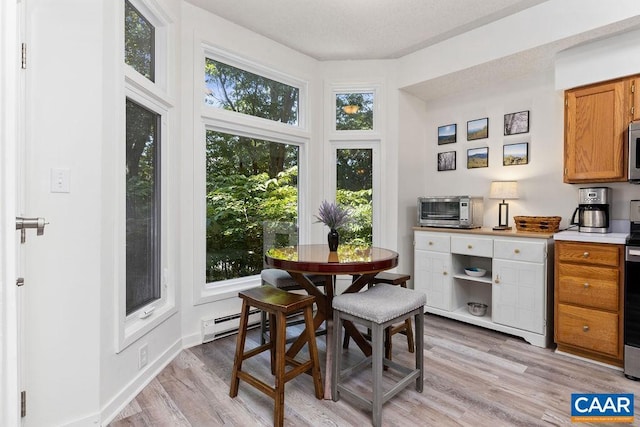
(134, 329)
(218, 291)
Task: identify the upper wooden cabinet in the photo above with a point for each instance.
(596, 122)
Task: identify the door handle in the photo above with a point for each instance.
(23, 223)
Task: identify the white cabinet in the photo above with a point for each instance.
(516, 287)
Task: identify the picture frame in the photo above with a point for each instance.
(447, 134)
(478, 129)
(516, 123)
(515, 154)
(447, 161)
(478, 158)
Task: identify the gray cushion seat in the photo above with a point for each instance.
(381, 303)
(283, 280)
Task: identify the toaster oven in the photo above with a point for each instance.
(450, 211)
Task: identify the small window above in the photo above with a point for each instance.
(234, 89)
(354, 111)
(139, 42)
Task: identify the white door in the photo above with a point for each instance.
(9, 292)
(432, 276)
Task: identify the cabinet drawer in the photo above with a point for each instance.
(590, 286)
(432, 242)
(472, 246)
(517, 250)
(590, 329)
(601, 254)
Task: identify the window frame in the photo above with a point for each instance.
(219, 120)
(155, 97)
(347, 89)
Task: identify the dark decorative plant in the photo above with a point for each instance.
(332, 215)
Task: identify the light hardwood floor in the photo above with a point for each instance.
(473, 377)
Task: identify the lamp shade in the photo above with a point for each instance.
(504, 190)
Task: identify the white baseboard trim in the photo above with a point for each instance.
(93, 420)
(128, 393)
(192, 340)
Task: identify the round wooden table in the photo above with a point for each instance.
(361, 262)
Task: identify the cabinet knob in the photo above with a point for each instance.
(469, 246)
(586, 285)
(444, 273)
(585, 328)
(516, 251)
(585, 255)
(497, 280)
(430, 243)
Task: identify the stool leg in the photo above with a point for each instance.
(377, 342)
(281, 339)
(409, 331)
(419, 318)
(387, 343)
(337, 355)
(313, 352)
(263, 326)
(239, 357)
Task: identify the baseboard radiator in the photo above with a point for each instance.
(219, 327)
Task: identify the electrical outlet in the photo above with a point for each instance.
(143, 356)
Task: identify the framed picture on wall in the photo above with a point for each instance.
(478, 129)
(515, 123)
(515, 154)
(478, 158)
(447, 161)
(447, 134)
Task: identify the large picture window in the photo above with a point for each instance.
(249, 182)
(142, 206)
(234, 89)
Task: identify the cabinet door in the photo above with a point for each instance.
(635, 101)
(518, 295)
(432, 276)
(595, 126)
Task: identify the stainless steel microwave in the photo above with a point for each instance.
(634, 152)
(450, 211)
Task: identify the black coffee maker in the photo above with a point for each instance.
(592, 213)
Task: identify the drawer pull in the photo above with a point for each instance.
(585, 255)
(516, 251)
(585, 328)
(586, 285)
(469, 246)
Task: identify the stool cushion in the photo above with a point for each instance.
(283, 280)
(380, 303)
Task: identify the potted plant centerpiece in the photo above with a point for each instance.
(333, 216)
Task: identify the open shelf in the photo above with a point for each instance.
(483, 279)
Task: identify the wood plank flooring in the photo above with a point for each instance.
(473, 377)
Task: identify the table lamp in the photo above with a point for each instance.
(503, 190)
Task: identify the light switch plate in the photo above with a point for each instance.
(60, 181)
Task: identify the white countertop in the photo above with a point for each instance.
(576, 236)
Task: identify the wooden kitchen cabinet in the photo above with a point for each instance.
(596, 122)
(589, 300)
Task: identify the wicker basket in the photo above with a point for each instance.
(537, 224)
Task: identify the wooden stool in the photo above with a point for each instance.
(377, 308)
(278, 304)
(405, 328)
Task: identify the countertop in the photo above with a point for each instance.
(576, 236)
(488, 232)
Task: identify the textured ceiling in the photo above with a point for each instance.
(361, 29)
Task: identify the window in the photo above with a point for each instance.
(354, 111)
(354, 189)
(146, 291)
(142, 206)
(234, 89)
(249, 182)
(139, 42)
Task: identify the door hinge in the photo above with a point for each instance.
(23, 56)
(20, 281)
(633, 88)
(23, 403)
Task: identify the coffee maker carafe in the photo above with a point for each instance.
(592, 213)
